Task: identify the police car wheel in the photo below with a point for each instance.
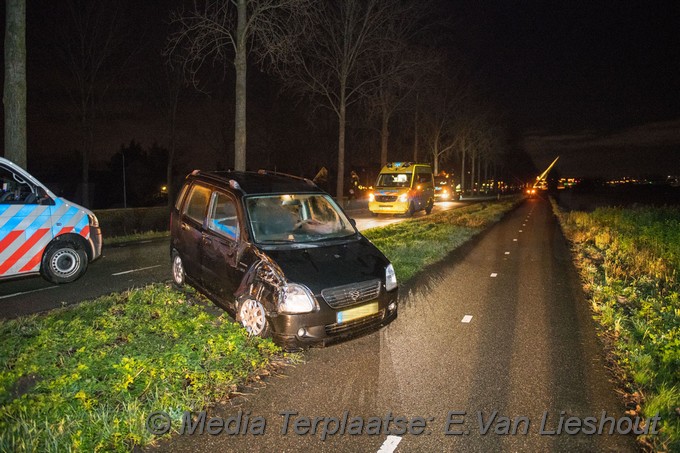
(252, 316)
(178, 275)
(411, 210)
(64, 262)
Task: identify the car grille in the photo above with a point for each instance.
(355, 326)
(385, 198)
(354, 293)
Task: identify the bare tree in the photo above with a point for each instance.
(220, 31)
(331, 63)
(14, 97)
(444, 96)
(401, 65)
(92, 42)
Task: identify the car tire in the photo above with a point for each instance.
(64, 262)
(253, 317)
(428, 208)
(411, 210)
(178, 273)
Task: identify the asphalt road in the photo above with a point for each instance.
(129, 266)
(500, 328)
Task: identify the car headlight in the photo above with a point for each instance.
(371, 197)
(403, 197)
(296, 299)
(390, 278)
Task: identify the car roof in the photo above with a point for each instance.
(260, 182)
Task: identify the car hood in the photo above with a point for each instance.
(331, 265)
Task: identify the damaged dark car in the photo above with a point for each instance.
(281, 257)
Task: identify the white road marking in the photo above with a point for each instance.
(515, 240)
(27, 292)
(390, 444)
(520, 231)
(494, 274)
(137, 270)
(466, 319)
(507, 253)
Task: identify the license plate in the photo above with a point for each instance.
(357, 312)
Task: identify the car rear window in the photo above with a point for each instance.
(197, 203)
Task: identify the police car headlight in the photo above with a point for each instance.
(371, 197)
(94, 222)
(403, 197)
(297, 299)
(390, 278)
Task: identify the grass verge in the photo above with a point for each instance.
(413, 244)
(629, 261)
(85, 377)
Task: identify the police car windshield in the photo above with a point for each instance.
(296, 218)
(393, 180)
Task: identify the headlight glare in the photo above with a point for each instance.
(390, 278)
(296, 299)
(403, 197)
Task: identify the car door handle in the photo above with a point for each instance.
(185, 226)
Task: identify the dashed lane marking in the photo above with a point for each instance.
(137, 270)
(466, 319)
(390, 444)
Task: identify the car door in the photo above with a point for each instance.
(25, 224)
(219, 247)
(190, 231)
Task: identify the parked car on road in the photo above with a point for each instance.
(41, 233)
(280, 256)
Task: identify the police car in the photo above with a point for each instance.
(41, 233)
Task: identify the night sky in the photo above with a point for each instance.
(597, 83)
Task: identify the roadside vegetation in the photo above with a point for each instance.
(85, 377)
(629, 260)
(416, 243)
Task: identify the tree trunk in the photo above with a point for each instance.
(462, 170)
(415, 134)
(384, 137)
(340, 183)
(14, 97)
(241, 67)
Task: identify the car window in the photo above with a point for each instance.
(14, 190)
(223, 216)
(394, 180)
(296, 218)
(424, 177)
(197, 203)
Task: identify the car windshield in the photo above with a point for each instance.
(296, 218)
(393, 180)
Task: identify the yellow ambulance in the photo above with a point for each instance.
(403, 188)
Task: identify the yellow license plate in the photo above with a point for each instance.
(357, 312)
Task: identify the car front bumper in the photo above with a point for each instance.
(296, 331)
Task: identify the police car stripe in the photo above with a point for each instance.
(36, 248)
(11, 236)
(21, 251)
(8, 216)
(33, 263)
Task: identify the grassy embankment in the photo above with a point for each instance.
(629, 260)
(84, 378)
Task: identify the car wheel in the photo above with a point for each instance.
(64, 262)
(178, 275)
(428, 208)
(252, 316)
